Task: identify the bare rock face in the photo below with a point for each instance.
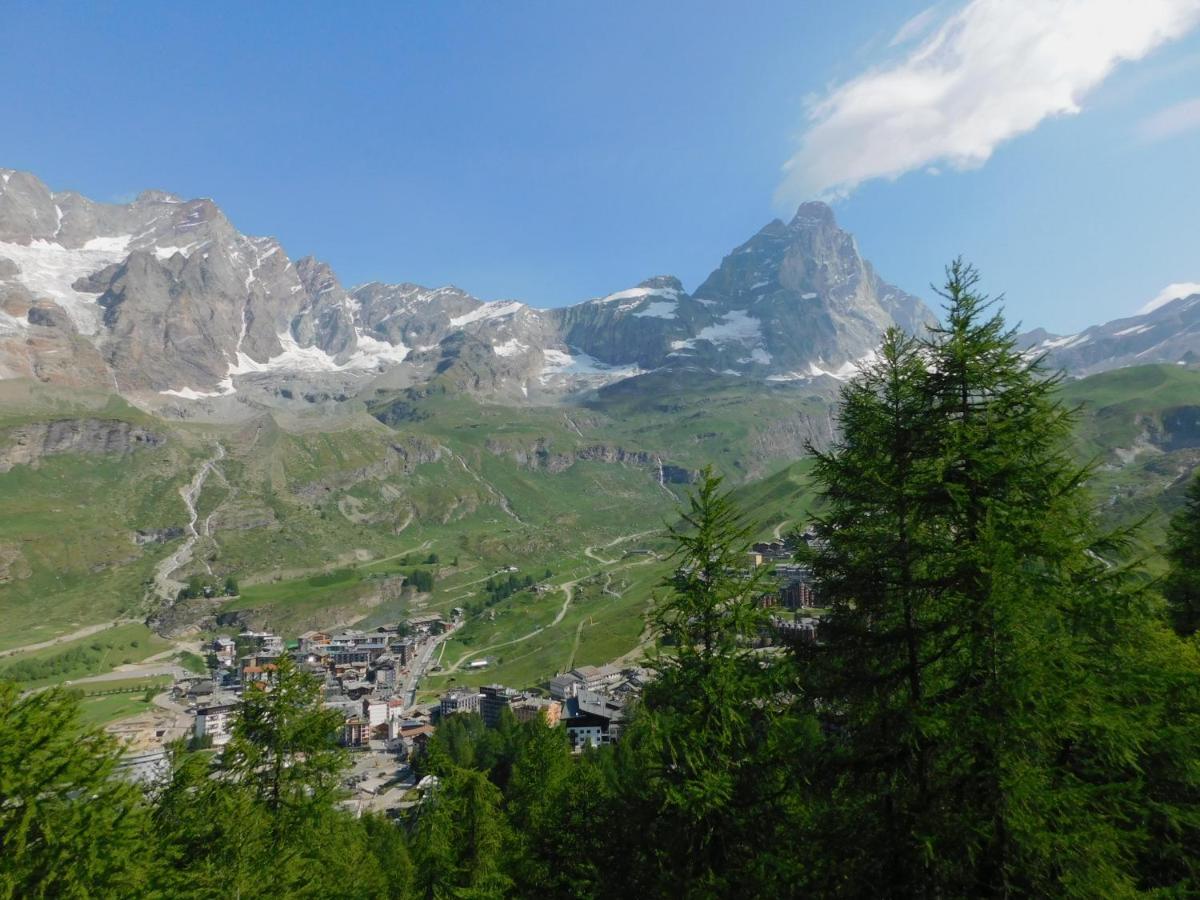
(27, 444)
(163, 296)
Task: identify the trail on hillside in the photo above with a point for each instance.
(568, 588)
(166, 587)
(779, 529)
(590, 552)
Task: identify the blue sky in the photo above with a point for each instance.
(556, 151)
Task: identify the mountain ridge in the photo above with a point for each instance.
(167, 300)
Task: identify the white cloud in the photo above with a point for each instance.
(915, 27)
(1169, 293)
(1169, 122)
(991, 71)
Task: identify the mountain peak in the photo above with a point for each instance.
(814, 213)
(663, 283)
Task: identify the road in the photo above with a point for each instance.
(417, 671)
(135, 671)
(64, 638)
(590, 552)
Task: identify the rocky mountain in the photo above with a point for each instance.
(165, 300)
(1163, 332)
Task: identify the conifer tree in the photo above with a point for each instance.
(982, 743)
(1182, 584)
(709, 755)
(69, 826)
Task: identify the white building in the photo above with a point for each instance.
(215, 719)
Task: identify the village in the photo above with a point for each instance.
(372, 678)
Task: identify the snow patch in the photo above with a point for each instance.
(1136, 329)
(48, 269)
(639, 293)
(738, 325)
(225, 388)
(511, 347)
(659, 309)
(558, 362)
(496, 310)
(169, 251)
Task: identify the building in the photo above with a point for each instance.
(350, 656)
(356, 732)
(375, 711)
(494, 699)
(595, 678)
(530, 708)
(263, 641)
(214, 720)
(225, 650)
(796, 588)
(314, 642)
(431, 624)
(563, 687)
(797, 630)
(459, 702)
(404, 649)
(592, 720)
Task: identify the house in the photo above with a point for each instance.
(214, 720)
(225, 650)
(261, 675)
(459, 702)
(530, 708)
(494, 699)
(314, 642)
(431, 624)
(263, 641)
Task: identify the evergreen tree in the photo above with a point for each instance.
(284, 744)
(1182, 584)
(69, 826)
(982, 745)
(460, 839)
(709, 757)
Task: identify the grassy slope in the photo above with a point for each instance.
(482, 486)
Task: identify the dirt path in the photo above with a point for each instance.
(64, 638)
(778, 532)
(590, 552)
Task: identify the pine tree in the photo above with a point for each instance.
(711, 752)
(1182, 584)
(460, 839)
(284, 744)
(982, 744)
(69, 825)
